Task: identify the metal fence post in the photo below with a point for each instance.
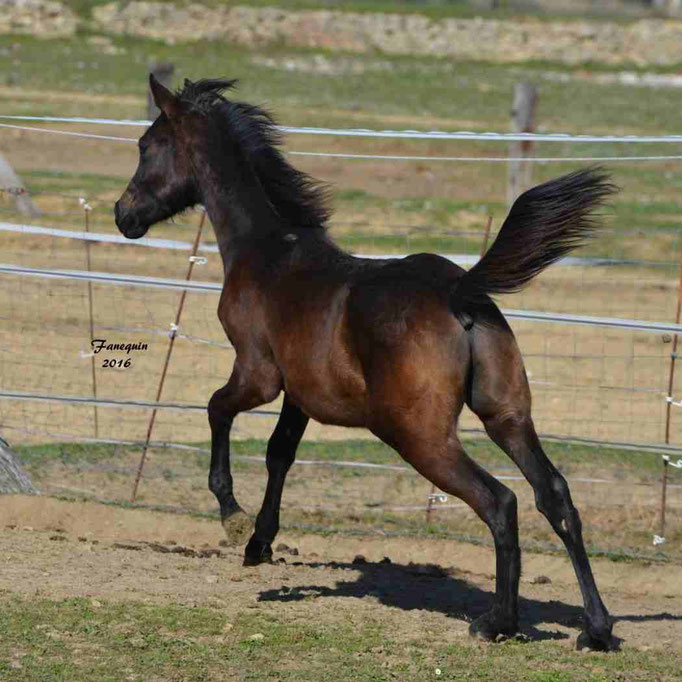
(668, 408)
(173, 335)
(86, 213)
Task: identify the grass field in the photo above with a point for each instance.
(376, 203)
(435, 8)
(595, 383)
(89, 591)
(76, 640)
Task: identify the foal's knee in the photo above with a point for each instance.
(217, 409)
(509, 504)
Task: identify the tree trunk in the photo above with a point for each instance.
(11, 182)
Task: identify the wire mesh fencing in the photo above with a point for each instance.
(590, 383)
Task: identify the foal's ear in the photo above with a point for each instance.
(163, 97)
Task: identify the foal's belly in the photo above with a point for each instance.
(330, 411)
(329, 392)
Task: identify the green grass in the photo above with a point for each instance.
(567, 457)
(87, 184)
(435, 9)
(658, 220)
(77, 641)
(423, 92)
(404, 85)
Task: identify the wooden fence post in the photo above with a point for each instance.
(523, 121)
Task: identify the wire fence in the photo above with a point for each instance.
(596, 333)
(409, 135)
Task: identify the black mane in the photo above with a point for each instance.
(298, 199)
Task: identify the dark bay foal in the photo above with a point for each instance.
(396, 346)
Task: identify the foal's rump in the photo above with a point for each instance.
(427, 334)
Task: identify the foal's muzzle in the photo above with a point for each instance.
(127, 222)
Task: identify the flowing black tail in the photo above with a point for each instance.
(544, 224)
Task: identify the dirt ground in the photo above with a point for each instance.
(55, 549)
(619, 504)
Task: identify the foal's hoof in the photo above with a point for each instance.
(237, 527)
(490, 628)
(603, 641)
(257, 552)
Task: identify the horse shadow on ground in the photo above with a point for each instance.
(447, 591)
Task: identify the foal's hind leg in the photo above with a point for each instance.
(279, 458)
(517, 437)
(453, 471)
(501, 398)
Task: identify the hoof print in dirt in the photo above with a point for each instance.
(286, 549)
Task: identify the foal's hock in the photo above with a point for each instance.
(398, 346)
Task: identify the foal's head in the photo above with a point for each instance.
(199, 128)
(164, 183)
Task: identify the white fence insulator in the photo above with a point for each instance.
(677, 464)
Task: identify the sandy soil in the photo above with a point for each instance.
(55, 549)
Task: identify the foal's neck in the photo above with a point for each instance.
(233, 197)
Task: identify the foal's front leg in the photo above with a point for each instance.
(244, 391)
(279, 458)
